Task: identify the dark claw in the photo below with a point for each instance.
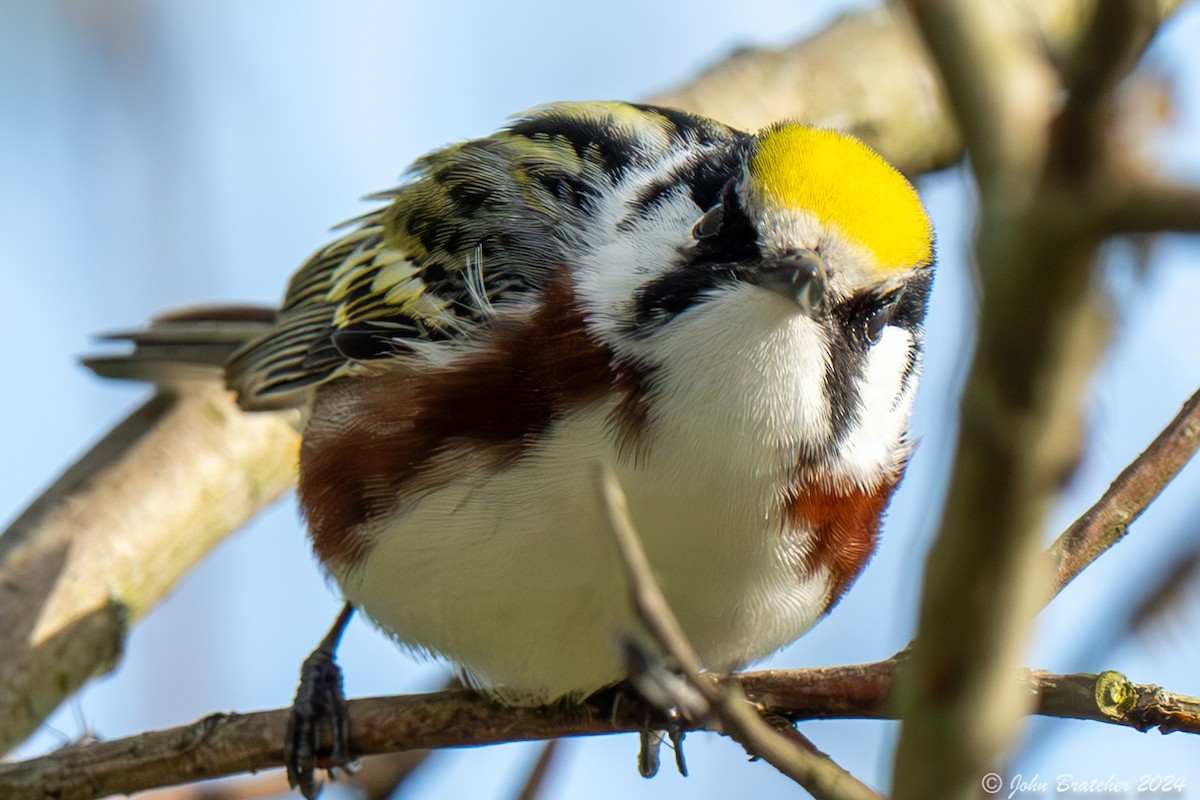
(318, 713)
(648, 760)
(677, 740)
(654, 693)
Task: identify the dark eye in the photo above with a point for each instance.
(710, 224)
(881, 317)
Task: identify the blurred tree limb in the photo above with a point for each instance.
(1045, 158)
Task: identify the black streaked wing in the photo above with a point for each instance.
(479, 224)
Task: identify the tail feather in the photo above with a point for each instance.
(192, 344)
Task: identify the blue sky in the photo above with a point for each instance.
(159, 154)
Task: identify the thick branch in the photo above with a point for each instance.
(225, 744)
(997, 85)
(869, 73)
(114, 533)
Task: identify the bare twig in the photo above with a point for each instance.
(1149, 205)
(1107, 522)
(226, 744)
(532, 788)
(647, 598)
(817, 773)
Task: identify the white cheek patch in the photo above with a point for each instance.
(885, 403)
(622, 249)
(612, 268)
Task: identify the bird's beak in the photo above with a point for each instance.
(800, 276)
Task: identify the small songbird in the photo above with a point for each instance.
(731, 322)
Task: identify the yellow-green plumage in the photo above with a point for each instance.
(507, 205)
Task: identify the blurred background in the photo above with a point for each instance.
(159, 153)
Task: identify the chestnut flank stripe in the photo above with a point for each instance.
(373, 440)
(845, 529)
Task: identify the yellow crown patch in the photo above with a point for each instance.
(847, 185)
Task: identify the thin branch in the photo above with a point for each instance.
(817, 773)
(1108, 520)
(646, 596)
(227, 744)
(536, 782)
(1150, 205)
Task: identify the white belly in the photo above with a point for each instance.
(516, 578)
(514, 575)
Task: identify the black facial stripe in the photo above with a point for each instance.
(914, 300)
(910, 314)
(850, 345)
(705, 264)
(709, 178)
(704, 177)
(709, 263)
(737, 241)
(674, 292)
(848, 358)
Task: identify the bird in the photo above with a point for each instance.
(731, 322)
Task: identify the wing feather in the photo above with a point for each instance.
(476, 228)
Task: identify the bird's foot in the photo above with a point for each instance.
(319, 714)
(665, 701)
